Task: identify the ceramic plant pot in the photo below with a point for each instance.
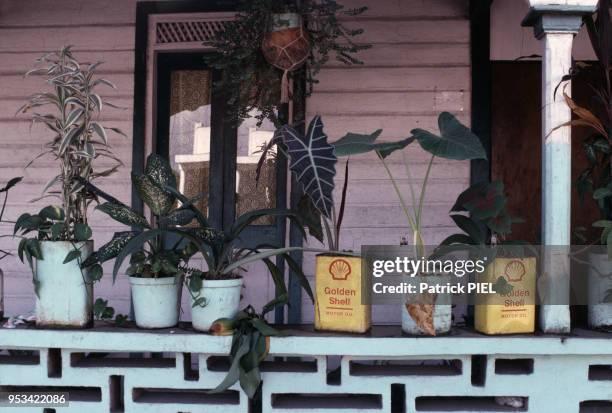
(442, 315)
(64, 291)
(221, 300)
(599, 283)
(157, 301)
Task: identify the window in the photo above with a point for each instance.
(210, 156)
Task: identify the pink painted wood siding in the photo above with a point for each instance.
(418, 67)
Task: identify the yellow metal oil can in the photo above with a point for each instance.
(339, 289)
(512, 309)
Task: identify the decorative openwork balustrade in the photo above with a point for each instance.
(127, 370)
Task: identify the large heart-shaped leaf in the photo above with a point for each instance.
(354, 144)
(455, 141)
(313, 161)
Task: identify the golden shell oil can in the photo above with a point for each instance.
(338, 298)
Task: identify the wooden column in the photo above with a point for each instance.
(555, 27)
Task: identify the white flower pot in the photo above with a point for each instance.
(221, 300)
(600, 312)
(65, 291)
(443, 314)
(157, 301)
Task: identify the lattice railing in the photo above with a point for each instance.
(129, 370)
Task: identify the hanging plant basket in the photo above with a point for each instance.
(286, 46)
(272, 40)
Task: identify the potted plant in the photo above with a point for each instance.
(160, 253)
(272, 41)
(455, 142)
(3, 254)
(155, 273)
(216, 292)
(481, 213)
(596, 179)
(64, 291)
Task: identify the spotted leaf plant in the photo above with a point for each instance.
(148, 243)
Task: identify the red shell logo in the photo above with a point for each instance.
(515, 270)
(340, 269)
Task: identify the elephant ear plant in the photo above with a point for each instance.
(70, 111)
(454, 142)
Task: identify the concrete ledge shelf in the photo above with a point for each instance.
(131, 370)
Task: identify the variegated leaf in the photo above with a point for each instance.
(313, 161)
(154, 196)
(123, 214)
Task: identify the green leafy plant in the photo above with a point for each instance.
(71, 112)
(225, 258)
(596, 115)
(146, 243)
(249, 81)
(103, 312)
(5, 190)
(313, 161)
(487, 213)
(454, 141)
(153, 255)
(250, 346)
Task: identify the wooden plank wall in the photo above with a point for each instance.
(98, 30)
(418, 67)
(510, 41)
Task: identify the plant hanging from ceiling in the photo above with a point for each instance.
(272, 42)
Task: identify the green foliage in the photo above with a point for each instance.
(5, 190)
(486, 207)
(249, 81)
(596, 116)
(151, 257)
(250, 346)
(49, 225)
(103, 312)
(70, 111)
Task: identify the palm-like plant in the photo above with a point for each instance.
(78, 137)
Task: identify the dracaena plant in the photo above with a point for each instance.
(70, 110)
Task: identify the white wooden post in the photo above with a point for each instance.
(556, 27)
